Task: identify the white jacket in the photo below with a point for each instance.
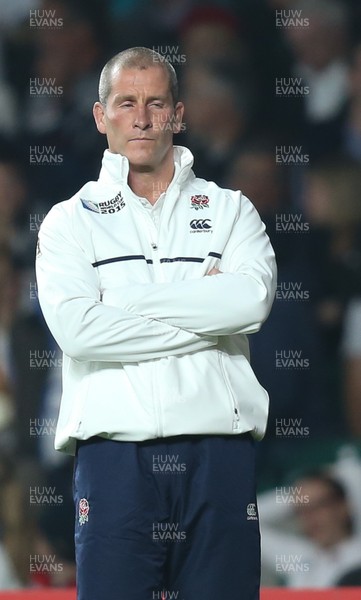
(152, 347)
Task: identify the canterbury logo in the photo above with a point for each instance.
(252, 512)
(201, 224)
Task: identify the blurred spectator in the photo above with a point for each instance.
(8, 295)
(351, 353)
(8, 109)
(11, 16)
(15, 528)
(280, 3)
(346, 468)
(162, 19)
(352, 128)
(351, 579)
(14, 205)
(31, 355)
(255, 172)
(59, 133)
(218, 86)
(54, 535)
(218, 114)
(7, 411)
(23, 341)
(320, 47)
(212, 34)
(325, 546)
(50, 404)
(8, 579)
(333, 209)
(58, 574)
(152, 24)
(332, 205)
(299, 394)
(119, 9)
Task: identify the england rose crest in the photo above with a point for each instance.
(83, 511)
(199, 201)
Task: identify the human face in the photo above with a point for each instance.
(324, 518)
(140, 118)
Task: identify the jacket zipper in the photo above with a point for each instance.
(235, 421)
(153, 242)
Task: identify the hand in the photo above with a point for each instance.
(214, 271)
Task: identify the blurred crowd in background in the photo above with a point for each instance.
(272, 90)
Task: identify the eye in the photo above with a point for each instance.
(126, 105)
(157, 104)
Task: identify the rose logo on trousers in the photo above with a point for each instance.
(83, 511)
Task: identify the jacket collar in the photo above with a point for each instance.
(115, 167)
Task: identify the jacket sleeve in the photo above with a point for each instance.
(237, 300)
(85, 328)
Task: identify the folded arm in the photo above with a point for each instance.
(238, 300)
(85, 328)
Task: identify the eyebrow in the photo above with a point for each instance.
(132, 98)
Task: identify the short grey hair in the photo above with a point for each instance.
(138, 57)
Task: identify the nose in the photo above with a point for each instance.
(142, 118)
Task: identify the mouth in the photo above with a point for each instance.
(141, 139)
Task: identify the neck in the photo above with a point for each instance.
(151, 184)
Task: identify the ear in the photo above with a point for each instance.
(99, 116)
(178, 117)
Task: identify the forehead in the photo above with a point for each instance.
(154, 79)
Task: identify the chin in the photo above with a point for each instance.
(137, 161)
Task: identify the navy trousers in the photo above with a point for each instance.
(167, 518)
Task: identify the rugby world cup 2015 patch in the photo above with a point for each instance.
(108, 207)
(83, 511)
